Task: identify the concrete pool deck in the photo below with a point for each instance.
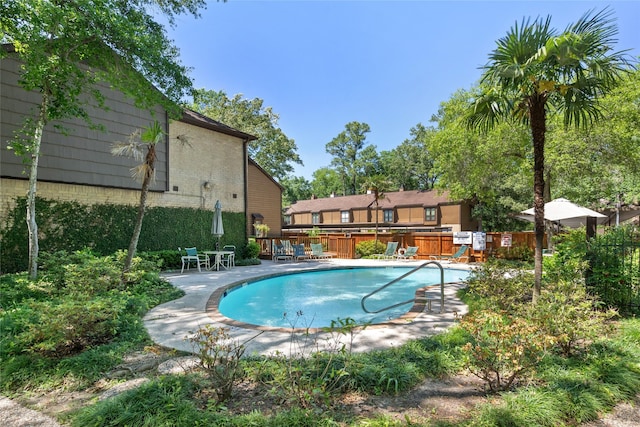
(173, 323)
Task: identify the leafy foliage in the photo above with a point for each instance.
(71, 226)
(272, 149)
(370, 247)
(504, 349)
(500, 286)
(77, 305)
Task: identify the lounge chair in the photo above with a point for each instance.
(192, 256)
(317, 252)
(280, 253)
(299, 253)
(457, 257)
(411, 252)
(389, 253)
(288, 247)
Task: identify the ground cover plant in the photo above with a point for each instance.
(566, 381)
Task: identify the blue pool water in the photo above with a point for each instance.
(314, 299)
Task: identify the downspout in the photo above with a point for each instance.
(245, 145)
(168, 147)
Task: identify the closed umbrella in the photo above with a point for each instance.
(217, 229)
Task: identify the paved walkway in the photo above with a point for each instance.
(171, 324)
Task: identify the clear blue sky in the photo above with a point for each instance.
(322, 64)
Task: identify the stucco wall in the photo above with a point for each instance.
(205, 166)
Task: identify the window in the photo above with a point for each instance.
(287, 219)
(387, 215)
(315, 218)
(344, 216)
(430, 214)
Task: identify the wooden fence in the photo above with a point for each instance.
(343, 245)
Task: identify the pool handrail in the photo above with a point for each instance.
(411, 300)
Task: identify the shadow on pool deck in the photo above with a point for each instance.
(171, 324)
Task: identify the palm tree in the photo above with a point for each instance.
(139, 141)
(533, 70)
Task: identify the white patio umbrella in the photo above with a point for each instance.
(563, 212)
(217, 229)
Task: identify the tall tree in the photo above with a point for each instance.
(410, 165)
(295, 188)
(272, 150)
(535, 68)
(351, 157)
(141, 147)
(326, 181)
(66, 47)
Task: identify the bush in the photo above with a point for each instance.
(518, 252)
(500, 286)
(250, 251)
(219, 356)
(566, 312)
(80, 301)
(370, 247)
(69, 327)
(504, 349)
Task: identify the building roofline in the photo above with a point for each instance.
(194, 118)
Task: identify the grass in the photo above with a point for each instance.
(564, 390)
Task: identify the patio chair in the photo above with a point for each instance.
(229, 260)
(317, 252)
(280, 253)
(411, 252)
(193, 256)
(389, 253)
(299, 253)
(288, 248)
(457, 257)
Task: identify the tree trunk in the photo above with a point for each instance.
(146, 183)
(538, 129)
(32, 225)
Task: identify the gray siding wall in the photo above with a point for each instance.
(80, 154)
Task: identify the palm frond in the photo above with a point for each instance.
(131, 148)
(489, 108)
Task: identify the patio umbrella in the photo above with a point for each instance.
(564, 212)
(217, 229)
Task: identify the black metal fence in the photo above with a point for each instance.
(615, 268)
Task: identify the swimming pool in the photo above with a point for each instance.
(314, 299)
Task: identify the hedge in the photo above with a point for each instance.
(106, 228)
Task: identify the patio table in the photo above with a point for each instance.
(218, 258)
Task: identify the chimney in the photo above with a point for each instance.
(333, 194)
(313, 197)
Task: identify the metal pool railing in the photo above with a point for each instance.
(362, 301)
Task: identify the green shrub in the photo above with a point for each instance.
(566, 312)
(504, 349)
(500, 286)
(168, 259)
(370, 247)
(107, 228)
(80, 301)
(518, 252)
(250, 250)
(69, 327)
